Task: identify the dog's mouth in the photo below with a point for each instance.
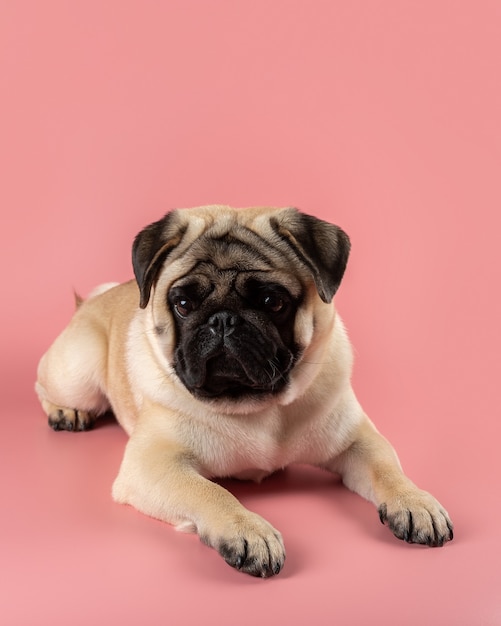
(230, 358)
(230, 377)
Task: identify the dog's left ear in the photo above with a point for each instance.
(150, 249)
(323, 247)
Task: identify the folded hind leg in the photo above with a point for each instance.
(63, 418)
(71, 376)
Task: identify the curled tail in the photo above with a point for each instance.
(95, 292)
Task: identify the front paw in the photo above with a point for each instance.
(417, 518)
(248, 543)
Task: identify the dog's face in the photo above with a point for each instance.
(234, 295)
(234, 329)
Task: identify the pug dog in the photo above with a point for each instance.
(225, 357)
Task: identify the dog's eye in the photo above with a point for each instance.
(273, 303)
(183, 307)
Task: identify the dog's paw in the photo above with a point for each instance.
(417, 517)
(249, 544)
(61, 418)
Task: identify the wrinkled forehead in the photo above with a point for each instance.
(237, 247)
(206, 276)
(236, 256)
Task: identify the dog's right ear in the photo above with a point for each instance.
(150, 249)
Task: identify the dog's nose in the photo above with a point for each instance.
(223, 322)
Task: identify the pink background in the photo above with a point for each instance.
(381, 116)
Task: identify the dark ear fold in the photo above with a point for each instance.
(322, 247)
(150, 249)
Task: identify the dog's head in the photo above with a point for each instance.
(235, 294)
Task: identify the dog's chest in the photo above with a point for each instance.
(250, 447)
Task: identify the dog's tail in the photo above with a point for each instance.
(78, 299)
(97, 291)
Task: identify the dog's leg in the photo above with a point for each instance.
(371, 468)
(70, 375)
(162, 479)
